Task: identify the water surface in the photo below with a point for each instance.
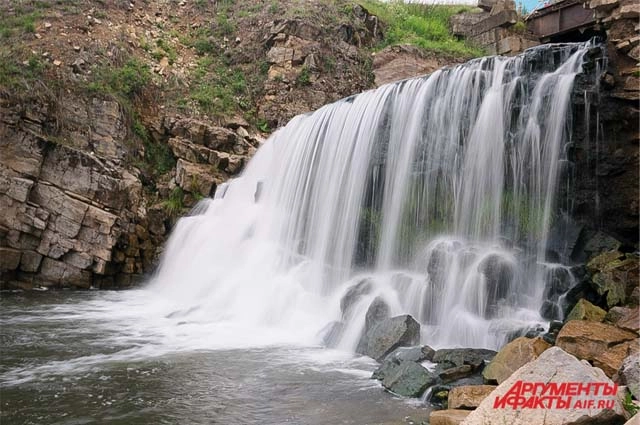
(103, 357)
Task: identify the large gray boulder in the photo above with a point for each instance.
(554, 366)
(377, 312)
(409, 379)
(415, 354)
(386, 336)
(456, 357)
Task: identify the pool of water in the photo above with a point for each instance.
(104, 357)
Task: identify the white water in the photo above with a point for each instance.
(438, 190)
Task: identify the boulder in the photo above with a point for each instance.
(448, 417)
(390, 334)
(553, 366)
(611, 360)
(599, 262)
(625, 318)
(353, 295)
(468, 396)
(629, 374)
(584, 310)
(409, 379)
(419, 353)
(377, 312)
(455, 357)
(415, 354)
(512, 356)
(587, 340)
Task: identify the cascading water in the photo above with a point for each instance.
(434, 196)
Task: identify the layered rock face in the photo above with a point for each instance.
(72, 215)
(91, 181)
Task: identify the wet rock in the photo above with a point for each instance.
(513, 356)
(553, 366)
(416, 354)
(376, 313)
(468, 396)
(353, 295)
(332, 333)
(611, 360)
(455, 357)
(409, 379)
(386, 336)
(584, 310)
(587, 340)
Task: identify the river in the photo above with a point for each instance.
(102, 357)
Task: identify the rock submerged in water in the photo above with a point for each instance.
(386, 336)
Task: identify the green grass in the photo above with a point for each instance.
(20, 23)
(218, 89)
(18, 70)
(124, 82)
(175, 202)
(425, 26)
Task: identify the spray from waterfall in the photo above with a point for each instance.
(432, 196)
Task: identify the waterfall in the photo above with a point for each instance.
(433, 195)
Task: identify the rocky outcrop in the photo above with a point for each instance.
(513, 356)
(302, 55)
(75, 210)
(72, 214)
(396, 63)
(553, 366)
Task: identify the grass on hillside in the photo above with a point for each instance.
(421, 25)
